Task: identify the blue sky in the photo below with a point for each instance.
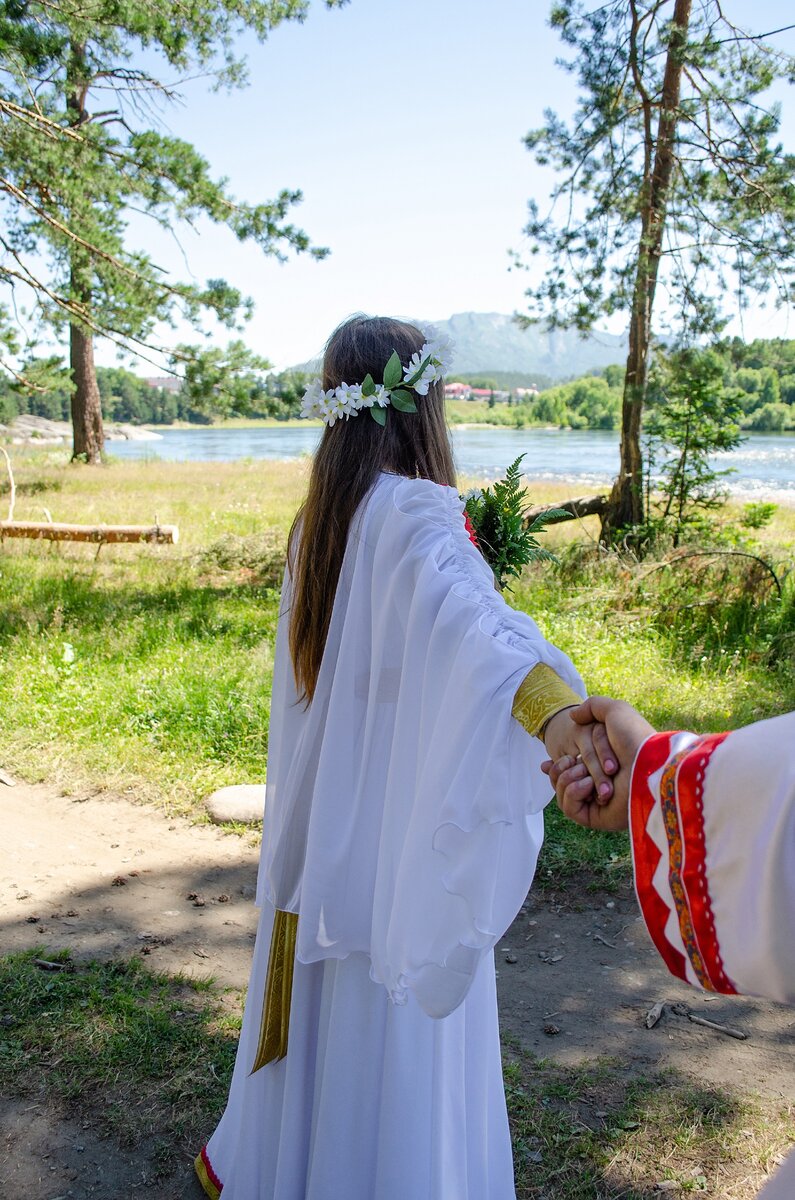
(402, 123)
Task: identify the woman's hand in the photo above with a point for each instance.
(624, 730)
(587, 743)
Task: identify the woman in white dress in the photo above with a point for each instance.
(403, 815)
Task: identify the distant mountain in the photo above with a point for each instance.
(494, 342)
(489, 342)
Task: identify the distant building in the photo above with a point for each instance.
(457, 391)
(525, 393)
(169, 383)
(489, 394)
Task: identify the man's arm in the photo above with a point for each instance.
(712, 830)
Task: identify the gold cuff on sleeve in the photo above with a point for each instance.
(541, 694)
(275, 1024)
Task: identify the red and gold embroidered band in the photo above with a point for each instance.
(654, 753)
(681, 804)
(673, 832)
(207, 1177)
(689, 798)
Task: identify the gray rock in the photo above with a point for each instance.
(131, 433)
(243, 802)
(29, 425)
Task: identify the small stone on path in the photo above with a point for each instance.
(243, 802)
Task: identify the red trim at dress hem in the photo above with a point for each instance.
(208, 1166)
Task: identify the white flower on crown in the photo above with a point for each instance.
(313, 403)
(351, 396)
(428, 375)
(348, 400)
(380, 397)
(342, 402)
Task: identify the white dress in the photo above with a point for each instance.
(403, 820)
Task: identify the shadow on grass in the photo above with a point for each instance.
(600, 1132)
(145, 1058)
(31, 487)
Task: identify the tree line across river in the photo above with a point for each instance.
(758, 381)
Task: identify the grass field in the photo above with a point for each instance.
(146, 670)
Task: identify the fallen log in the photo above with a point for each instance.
(585, 506)
(56, 531)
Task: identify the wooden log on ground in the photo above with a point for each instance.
(55, 531)
(585, 506)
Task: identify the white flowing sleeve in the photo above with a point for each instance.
(713, 841)
(463, 818)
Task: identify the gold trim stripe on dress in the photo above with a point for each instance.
(541, 694)
(200, 1167)
(275, 1024)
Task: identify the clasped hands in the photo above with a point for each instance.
(591, 751)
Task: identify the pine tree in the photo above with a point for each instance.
(671, 177)
(80, 146)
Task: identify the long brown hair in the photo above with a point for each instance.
(348, 461)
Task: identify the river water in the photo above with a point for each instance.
(763, 467)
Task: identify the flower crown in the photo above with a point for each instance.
(423, 369)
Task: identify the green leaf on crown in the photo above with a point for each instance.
(417, 376)
(368, 386)
(393, 372)
(378, 414)
(403, 400)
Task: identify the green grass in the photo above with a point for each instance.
(147, 669)
(147, 1059)
(138, 1055)
(159, 680)
(599, 1131)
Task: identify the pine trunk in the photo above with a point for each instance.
(625, 507)
(87, 431)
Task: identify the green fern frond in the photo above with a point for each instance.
(507, 543)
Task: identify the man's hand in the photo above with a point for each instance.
(623, 729)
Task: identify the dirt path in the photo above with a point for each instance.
(105, 878)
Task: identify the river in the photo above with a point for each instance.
(763, 467)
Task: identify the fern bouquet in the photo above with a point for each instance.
(505, 539)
